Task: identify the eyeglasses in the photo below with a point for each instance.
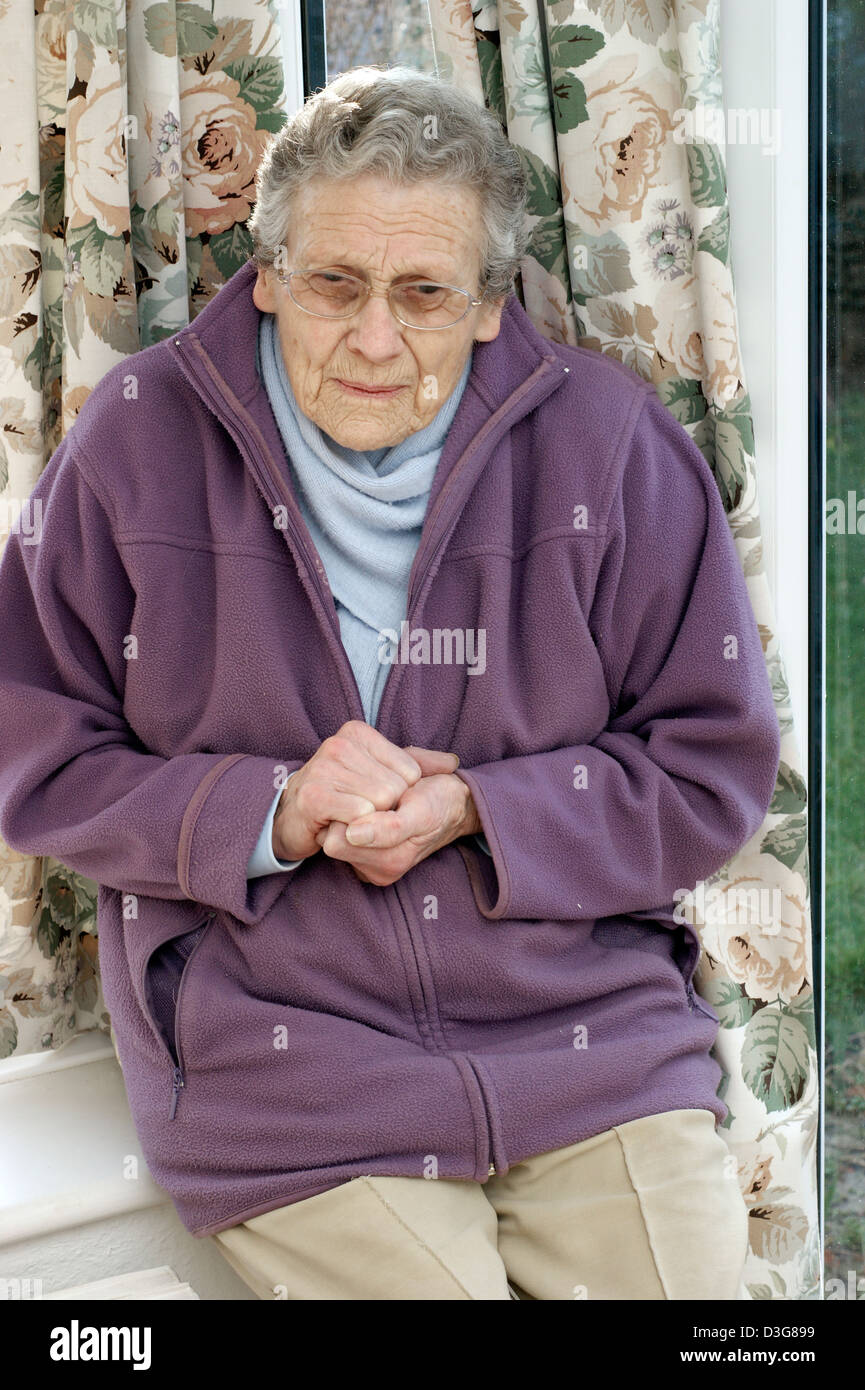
(334, 294)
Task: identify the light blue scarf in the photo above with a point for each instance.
(364, 510)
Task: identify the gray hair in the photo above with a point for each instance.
(406, 125)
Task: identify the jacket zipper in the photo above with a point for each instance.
(428, 552)
(271, 484)
(695, 1004)
(178, 1078)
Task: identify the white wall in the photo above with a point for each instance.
(764, 57)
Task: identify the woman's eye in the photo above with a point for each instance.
(426, 291)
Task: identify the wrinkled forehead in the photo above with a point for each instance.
(424, 229)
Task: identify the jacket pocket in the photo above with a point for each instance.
(166, 971)
(678, 943)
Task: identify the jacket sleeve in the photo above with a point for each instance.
(75, 781)
(263, 860)
(684, 771)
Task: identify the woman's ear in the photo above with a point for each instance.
(490, 319)
(263, 295)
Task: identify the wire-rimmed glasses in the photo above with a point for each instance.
(331, 293)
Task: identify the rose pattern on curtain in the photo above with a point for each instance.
(132, 133)
(630, 256)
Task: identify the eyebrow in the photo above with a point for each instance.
(323, 263)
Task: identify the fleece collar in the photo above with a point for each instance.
(230, 319)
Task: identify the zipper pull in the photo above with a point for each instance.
(491, 1171)
(178, 1085)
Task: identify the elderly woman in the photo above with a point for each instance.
(392, 670)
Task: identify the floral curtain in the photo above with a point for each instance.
(132, 133)
(613, 105)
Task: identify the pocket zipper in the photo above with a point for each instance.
(696, 1003)
(178, 1078)
(178, 1084)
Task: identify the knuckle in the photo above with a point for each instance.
(383, 793)
(338, 745)
(350, 730)
(306, 796)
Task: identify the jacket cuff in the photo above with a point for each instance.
(487, 873)
(263, 860)
(220, 830)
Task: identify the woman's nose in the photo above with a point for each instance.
(374, 329)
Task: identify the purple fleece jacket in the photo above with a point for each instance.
(171, 646)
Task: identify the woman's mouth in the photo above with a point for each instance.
(375, 392)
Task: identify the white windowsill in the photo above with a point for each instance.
(70, 1153)
(93, 1046)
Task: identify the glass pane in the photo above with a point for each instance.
(845, 645)
(381, 31)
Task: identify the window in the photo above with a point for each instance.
(844, 1220)
(391, 31)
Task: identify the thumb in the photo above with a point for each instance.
(432, 761)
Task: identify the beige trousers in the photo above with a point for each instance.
(650, 1209)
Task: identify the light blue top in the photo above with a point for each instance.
(364, 510)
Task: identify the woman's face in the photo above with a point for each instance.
(379, 231)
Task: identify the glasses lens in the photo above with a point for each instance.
(426, 305)
(328, 293)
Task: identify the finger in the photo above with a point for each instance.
(335, 845)
(376, 867)
(387, 829)
(321, 803)
(351, 767)
(382, 751)
(433, 760)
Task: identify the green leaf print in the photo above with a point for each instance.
(490, 63)
(646, 19)
(543, 192)
(8, 1033)
(102, 259)
(733, 1007)
(683, 396)
(22, 218)
(571, 45)
(97, 19)
(706, 174)
(738, 414)
(259, 79)
(231, 249)
(600, 265)
(788, 842)
(547, 246)
(790, 792)
(187, 29)
(775, 1057)
(715, 238)
(271, 120)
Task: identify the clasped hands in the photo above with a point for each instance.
(379, 807)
